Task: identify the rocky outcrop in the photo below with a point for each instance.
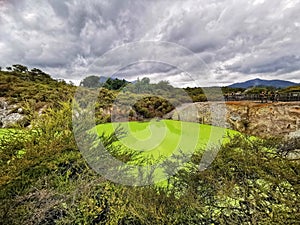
(282, 118)
(10, 115)
(273, 118)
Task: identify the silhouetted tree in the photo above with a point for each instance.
(20, 68)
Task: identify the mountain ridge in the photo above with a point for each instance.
(261, 82)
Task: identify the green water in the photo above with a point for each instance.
(164, 137)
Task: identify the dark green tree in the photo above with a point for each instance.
(115, 84)
(38, 74)
(145, 81)
(91, 82)
(20, 68)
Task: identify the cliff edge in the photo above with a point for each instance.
(260, 119)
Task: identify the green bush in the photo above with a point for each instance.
(249, 182)
(152, 106)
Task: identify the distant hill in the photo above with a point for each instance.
(265, 83)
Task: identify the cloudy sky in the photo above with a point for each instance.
(211, 42)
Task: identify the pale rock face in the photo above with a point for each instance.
(7, 117)
(295, 134)
(3, 105)
(11, 119)
(20, 110)
(261, 119)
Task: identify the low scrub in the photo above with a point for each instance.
(249, 182)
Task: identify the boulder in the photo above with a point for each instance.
(10, 115)
(20, 110)
(11, 119)
(3, 105)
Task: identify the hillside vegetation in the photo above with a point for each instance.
(22, 85)
(34, 90)
(44, 178)
(249, 182)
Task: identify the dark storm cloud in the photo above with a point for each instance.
(238, 40)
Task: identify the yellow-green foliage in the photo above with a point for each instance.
(20, 87)
(152, 106)
(249, 182)
(45, 180)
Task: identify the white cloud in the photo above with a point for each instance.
(238, 40)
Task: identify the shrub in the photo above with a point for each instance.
(249, 182)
